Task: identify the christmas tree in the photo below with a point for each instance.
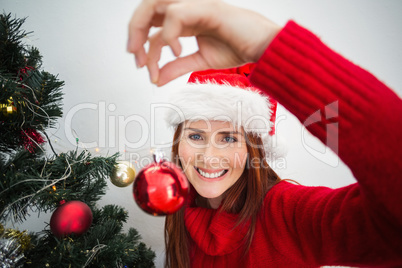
(68, 184)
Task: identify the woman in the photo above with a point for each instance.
(286, 225)
(224, 136)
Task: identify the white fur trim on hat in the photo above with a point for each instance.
(241, 107)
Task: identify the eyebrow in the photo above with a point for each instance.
(220, 132)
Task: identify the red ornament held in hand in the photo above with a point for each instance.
(160, 188)
(73, 217)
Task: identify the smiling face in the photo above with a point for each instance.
(213, 155)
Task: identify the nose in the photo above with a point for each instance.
(211, 156)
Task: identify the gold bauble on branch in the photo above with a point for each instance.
(8, 108)
(123, 174)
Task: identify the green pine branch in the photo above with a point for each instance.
(34, 94)
(12, 50)
(41, 184)
(103, 245)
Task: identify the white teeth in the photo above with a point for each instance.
(211, 175)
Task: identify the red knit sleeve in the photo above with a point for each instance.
(360, 119)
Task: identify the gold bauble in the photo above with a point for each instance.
(123, 174)
(8, 108)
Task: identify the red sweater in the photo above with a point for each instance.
(299, 226)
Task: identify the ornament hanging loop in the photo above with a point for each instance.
(158, 155)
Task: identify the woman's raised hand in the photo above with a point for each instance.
(227, 36)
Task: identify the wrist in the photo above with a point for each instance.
(269, 34)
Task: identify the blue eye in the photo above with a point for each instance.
(195, 137)
(230, 139)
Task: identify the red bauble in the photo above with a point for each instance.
(73, 217)
(160, 188)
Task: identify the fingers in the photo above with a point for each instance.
(173, 28)
(173, 69)
(168, 36)
(156, 44)
(178, 18)
(181, 66)
(145, 16)
(138, 32)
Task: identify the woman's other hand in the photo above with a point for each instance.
(227, 36)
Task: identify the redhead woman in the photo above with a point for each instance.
(223, 139)
(240, 213)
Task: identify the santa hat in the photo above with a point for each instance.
(227, 95)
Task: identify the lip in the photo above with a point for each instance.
(210, 171)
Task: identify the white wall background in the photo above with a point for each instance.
(107, 100)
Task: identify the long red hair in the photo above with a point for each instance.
(244, 198)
